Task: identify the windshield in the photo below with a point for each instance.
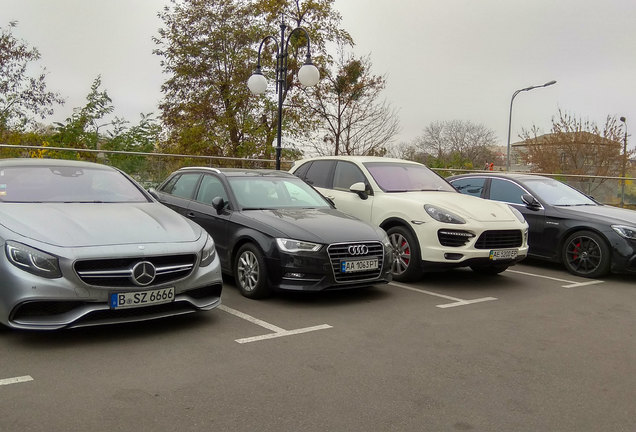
(406, 177)
(553, 192)
(274, 193)
(47, 183)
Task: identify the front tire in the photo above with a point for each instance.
(586, 254)
(250, 272)
(407, 261)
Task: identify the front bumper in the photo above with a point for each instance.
(317, 272)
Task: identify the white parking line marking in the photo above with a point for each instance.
(15, 380)
(570, 284)
(278, 331)
(283, 333)
(456, 301)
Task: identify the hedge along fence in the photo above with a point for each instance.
(151, 168)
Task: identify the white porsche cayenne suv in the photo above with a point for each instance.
(431, 226)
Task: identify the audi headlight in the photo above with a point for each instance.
(442, 215)
(208, 252)
(289, 245)
(384, 238)
(518, 214)
(628, 232)
(33, 260)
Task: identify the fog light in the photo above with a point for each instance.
(294, 275)
(453, 256)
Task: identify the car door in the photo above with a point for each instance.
(215, 223)
(510, 192)
(178, 191)
(345, 175)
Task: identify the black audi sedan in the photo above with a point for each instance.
(567, 226)
(275, 232)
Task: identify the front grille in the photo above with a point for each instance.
(118, 272)
(339, 252)
(498, 239)
(454, 238)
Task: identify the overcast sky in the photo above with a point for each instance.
(443, 59)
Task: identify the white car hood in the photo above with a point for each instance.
(97, 224)
(466, 206)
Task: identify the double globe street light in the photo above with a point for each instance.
(308, 75)
(549, 83)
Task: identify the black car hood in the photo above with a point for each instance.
(601, 213)
(314, 225)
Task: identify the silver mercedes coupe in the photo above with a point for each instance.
(84, 244)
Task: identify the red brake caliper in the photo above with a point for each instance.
(577, 248)
(407, 252)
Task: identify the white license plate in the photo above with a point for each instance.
(141, 298)
(358, 265)
(503, 254)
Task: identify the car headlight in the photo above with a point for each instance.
(384, 238)
(442, 215)
(518, 214)
(625, 231)
(33, 260)
(289, 245)
(208, 252)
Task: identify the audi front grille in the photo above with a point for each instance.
(340, 252)
(119, 272)
(499, 239)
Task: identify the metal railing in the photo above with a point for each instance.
(151, 168)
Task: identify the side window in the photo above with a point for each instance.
(347, 174)
(470, 186)
(182, 185)
(506, 191)
(318, 174)
(211, 187)
(301, 172)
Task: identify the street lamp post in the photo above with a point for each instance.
(308, 75)
(624, 120)
(549, 83)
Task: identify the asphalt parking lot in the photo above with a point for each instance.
(533, 349)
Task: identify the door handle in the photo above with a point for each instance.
(190, 214)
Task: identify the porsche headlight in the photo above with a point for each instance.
(628, 232)
(208, 252)
(518, 214)
(33, 260)
(442, 215)
(289, 245)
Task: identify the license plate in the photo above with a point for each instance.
(503, 254)
(141, 298)
(358, 265)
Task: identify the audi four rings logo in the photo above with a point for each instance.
(358, 250)
(143, 273)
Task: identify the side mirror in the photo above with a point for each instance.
(361, 189)
(531, 202)
(218, 204)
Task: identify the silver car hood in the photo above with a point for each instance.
(97, 224)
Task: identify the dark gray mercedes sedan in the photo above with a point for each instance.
(84, 245)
